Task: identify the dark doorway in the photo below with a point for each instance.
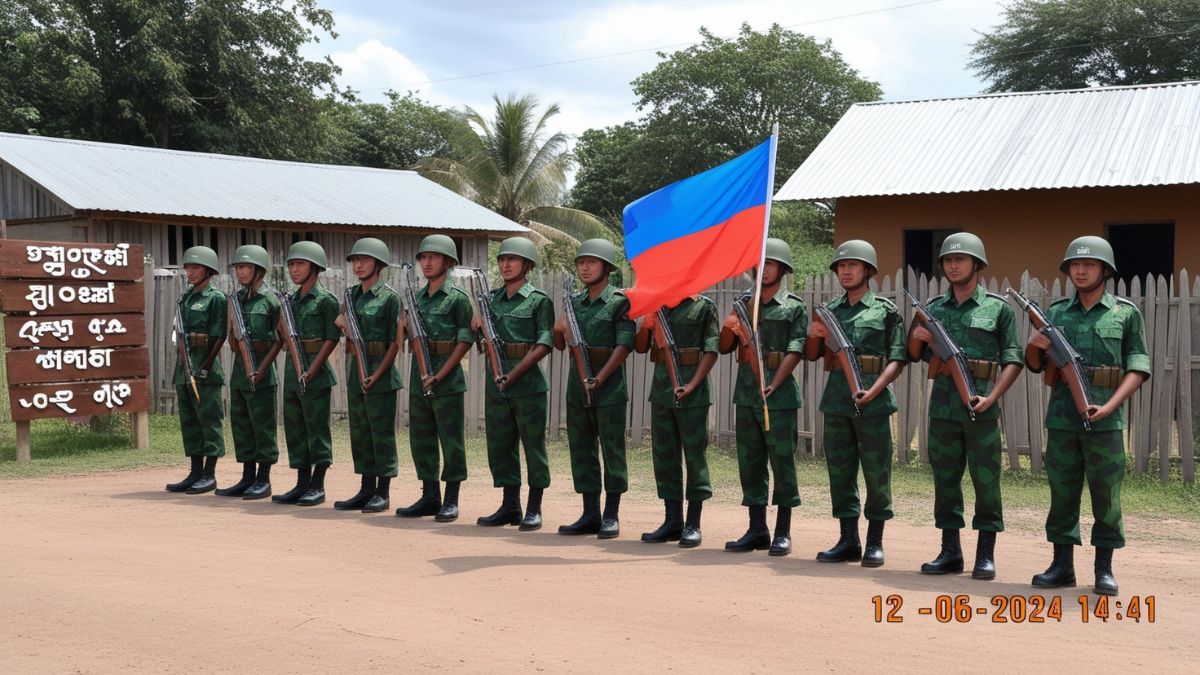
(1143, 248)
(921, 248)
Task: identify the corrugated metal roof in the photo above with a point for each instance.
(91, 176)
(1107, 136)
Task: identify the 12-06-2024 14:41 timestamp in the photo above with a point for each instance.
(1020, 609)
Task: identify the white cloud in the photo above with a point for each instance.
(374, 67)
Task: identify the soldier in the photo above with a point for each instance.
(445, 310)
(983, 325)
(306, 418)
(679, 415)
(603, 316)
(783, 325)
(852, 437)
(1109, 333)
(372, 400)
(202, 310)
(515, 406)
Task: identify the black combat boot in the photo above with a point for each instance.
(427, 505)
(782, 543)
(509, 512)
(261, 487)
(1106, 583)
(672, 526)
(208, 478)
(1061, 571)
(985, 556)
(690, 536)
(610, 523)
(533, 511)
(589, 522)
(950, 558)
(757, 537)
(873, 552)
(449, 511)
(379, 501)
(315, 494)
(191, 478)
(303, 478)
(359, 500)
(239, 488)
(848, 548)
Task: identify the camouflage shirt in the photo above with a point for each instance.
(202, 312)
(261, 312)
(525, 318)
(447, 317)
(693, 325)
(783, 325)
(315, 313)
(605, 323)
(378, 311)
(875, 328)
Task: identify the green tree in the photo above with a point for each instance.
(1071, 44)
(389, 136)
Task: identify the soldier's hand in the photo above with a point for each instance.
(921, 333)
(649, 322)
(767, 391)
(981, 403)
(816, 329)
(501, 382)
(429, 382)
(1040, 341)
(340, 322)
(1095, 413)
(476, 324)
(560, 324)
(593, 384)
(864, 396)
(368, 383)
(731, 323)
(683, 392)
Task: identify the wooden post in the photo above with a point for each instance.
(139, 424)
(23, 452)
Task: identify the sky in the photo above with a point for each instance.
(458, 53)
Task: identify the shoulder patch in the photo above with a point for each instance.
(886, 302)
(456, 289)
(997, 296)
(1060, 301)
(1127, 303)
(537, 291)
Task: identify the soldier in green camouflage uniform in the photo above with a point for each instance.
(984, 328)
(203, 312)
(679, 416)
(862, 436)
(783, 325)
(603, 317)
(306, 417)
(445, 311)
(515, 408)
(1109, 333)
(372, 400)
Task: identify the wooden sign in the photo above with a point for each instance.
(70, 261)
(39, 366)
(109, 330)
(71, 297)
(79, 398)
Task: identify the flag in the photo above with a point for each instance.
(699, 231)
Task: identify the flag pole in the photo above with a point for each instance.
(762, 259)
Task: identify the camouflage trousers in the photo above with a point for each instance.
(512, 423)
(373, 432)
(756, 449)
(603, 426)
(679, 436)
(434, 421)
(1098, 456)
(201, 423)
(306, 427)
(850, 441)
(252, 421)
(975, 446)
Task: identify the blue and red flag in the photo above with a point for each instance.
(699, 231)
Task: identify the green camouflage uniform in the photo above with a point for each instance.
(252, 413)
(1111, 333)
(605, 324)
(306, 418)
(875, 328)
(683, 429)
(519, 419)
(447, 318)
(783, 325)
(985, 328)
(201, 422)
(373, 415)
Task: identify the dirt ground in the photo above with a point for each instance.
(108, 573)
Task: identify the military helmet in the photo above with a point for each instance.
(598, 248)
(202, 255)
(520, 247)
(1096, 248)
(779, 251)
(855, 249)
(964, 243)
(310, 251)
(372, 248)
(439, 243)
(252, 254)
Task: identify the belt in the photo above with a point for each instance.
(442, 347)
(1104, 376)
(979, 368)
(261, 346)
(197, 339)
(870, 364)
(599, 356)
(377, 348)
(688, 356)
(311, 346)
(772, 359)
(517, 350)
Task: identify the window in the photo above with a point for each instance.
(1143, 248)
(921, 248)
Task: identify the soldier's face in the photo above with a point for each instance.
(512, 267)
(433, 265)
(363, 266)
(244, 273)
(299, 270)
(1086, 273)
(195, 273)
(770, 275)
(851, 273)
(958, 267)
(590, 270)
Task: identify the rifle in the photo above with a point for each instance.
(755, 344)
(291, 338)
(185, 356)
(674, 369)
(839, 349)
(490, 340)
(946, 352)
(241, 334)
(354, 334)
(1065, 360)
(577, 345)
(418, 341)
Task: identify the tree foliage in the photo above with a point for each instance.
(1071, 44)
(391, 136)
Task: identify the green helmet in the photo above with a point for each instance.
(1096, 248)
(372, 248)
(598, 248)
(779, 251)
(439, 243)
(202, 255)
(252, 254)
(966, 244)
(855, 249)
(520, 247)
(310, 251)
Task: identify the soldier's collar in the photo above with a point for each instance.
(1106, 299)
(604, 296)
(867, 299)
(523, 291)
(445, 288)
(374, 289)
(978, 295)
